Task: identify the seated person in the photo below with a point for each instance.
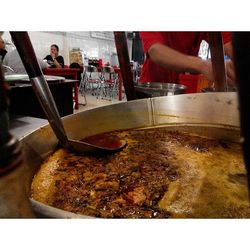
(54, 60)
(15, 64)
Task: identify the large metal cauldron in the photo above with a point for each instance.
(212, 114)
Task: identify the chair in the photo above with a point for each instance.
(93, 79)
(109, 83)
(83, 85)
(90, 81)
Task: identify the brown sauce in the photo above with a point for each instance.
(160, 174)
(103, 140)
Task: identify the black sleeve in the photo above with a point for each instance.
(60, 61)
(49, 61)
(48, 58)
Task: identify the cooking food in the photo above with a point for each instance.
(160, 174)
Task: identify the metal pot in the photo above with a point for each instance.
(24, 78)
(199, 113)
(154, 89)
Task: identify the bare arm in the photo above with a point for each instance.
(57, 64)
(228, 49)
(174, 60)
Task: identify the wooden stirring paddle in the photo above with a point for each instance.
(217, 58)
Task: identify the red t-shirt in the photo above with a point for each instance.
(184, 42)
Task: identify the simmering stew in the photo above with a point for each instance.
(160, 174)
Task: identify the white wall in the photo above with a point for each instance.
(92, 46)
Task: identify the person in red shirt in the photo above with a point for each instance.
(167, 54)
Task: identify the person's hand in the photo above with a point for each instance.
(230, 73)
(207, 70)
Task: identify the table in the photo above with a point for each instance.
(23, 100)
(67, 73)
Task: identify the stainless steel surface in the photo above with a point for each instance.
(21, 126)
(212, 114)
(25, 78)
(154, 89)
(208, 108)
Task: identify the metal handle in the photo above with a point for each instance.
(39, 83)
(123, 57)
(217, 58)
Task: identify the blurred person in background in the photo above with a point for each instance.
(53, 59)
(168, 54)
